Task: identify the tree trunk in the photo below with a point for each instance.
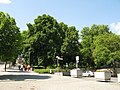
(5, 65)
(114, 70)
(9, 65)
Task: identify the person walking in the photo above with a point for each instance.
(25, 67)
(28, 67)
(21, 67)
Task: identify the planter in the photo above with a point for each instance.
(76, 73)
(118, 75)
(103, 76)
(66, 73)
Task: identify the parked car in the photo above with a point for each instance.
(88, 73)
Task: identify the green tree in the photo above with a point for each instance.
(43, 38)
(70, 47)
(107, 50)
(87, 45)
(25, 46)
(9, 38)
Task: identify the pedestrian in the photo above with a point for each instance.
(22, 67)
(25, 67)
(19, 66)
(28, 67)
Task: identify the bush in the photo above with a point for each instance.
(38, 67)
(103, 70)
(72, 65)
(62, 70)
(42, 71)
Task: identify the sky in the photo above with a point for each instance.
(78, 13)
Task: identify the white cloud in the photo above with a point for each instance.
(115, 28)
(5, 1)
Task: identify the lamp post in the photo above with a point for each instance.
(58, 58)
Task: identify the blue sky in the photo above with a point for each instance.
(78, 13)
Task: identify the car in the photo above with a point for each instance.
(88, 73)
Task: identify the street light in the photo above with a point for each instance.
(58, 58)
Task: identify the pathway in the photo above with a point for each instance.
(14, 79)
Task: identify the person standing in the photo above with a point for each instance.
(19, 66)
(25, 67)
(22, 67)
(28, 67)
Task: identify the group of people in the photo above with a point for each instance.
(23, 67)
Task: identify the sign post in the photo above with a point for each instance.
(58, 58)
(77, 61)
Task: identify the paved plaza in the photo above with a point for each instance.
(14, 79)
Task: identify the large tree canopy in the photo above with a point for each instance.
(43, 40)
(70, 47)
(46, 39)
(9, 38)
(88, 35)
(107, 49)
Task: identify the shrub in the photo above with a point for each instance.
(41, 71)
(38, 67)
(103, 70)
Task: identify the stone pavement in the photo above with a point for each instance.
(14, 79)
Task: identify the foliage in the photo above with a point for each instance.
(87, 46)
(42, 71)
(103, 70)
(25, 46)
(107, 49)
(70, 47)
(46, 39)
(42, 40)
(10, 38)
(72, 65)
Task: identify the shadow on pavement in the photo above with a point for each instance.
(18, 71)
(109, 81)
(22, 77)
